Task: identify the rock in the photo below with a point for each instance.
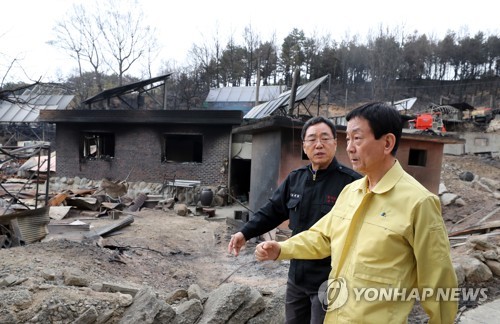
(223, 302)
(112, 287)
(448, 198)
(478, 255)
(466, 176)
(460, 272)
(181, 209)
(88, 317)
(147, 308)
(491, 255)
(195, 292)
(480, 186)
(494, 267)
(475, 270)
(460, 202)
(254, 303)
(188, 312)
(48, 274)
(175, 296)
(7, 281)
(274, 313)
(494, 185)
(74, 277)
(480, 242)
(124, 300)
(442, 189)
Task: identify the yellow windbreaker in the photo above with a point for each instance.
(391, 247)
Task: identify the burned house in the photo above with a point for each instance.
(127, 133)
(149, 146)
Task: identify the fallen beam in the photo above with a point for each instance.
(103, 231)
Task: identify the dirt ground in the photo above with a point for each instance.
(166, 252)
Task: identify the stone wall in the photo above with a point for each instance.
(186, 195)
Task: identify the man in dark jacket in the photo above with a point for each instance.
(306, 195)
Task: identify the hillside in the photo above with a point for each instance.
(477, 93)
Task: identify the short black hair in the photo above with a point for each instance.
(382, 118)
(317, 120)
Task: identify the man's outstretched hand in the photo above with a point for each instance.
(237, 242)
(269, 250)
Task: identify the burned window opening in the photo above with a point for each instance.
(98, 146)
(182, 148)
(417, 157)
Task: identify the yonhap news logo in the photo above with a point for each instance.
(433, 294)
(334, 293)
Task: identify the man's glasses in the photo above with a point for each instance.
(323, 140)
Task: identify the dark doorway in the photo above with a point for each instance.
(240, 179)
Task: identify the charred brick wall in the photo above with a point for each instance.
(138, 153)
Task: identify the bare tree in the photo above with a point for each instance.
(110, 35)
(127, 37)
(79, 36)
(205, 60)
(252, 42)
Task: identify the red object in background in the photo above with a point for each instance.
(424, 121)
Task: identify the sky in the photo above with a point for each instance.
(26, 26)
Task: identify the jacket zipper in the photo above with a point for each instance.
(313, 173)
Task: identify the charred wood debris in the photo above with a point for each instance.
(29, 211)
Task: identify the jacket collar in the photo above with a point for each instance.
(385, 184)
(334, 165)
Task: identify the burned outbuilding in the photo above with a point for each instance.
(276, 149)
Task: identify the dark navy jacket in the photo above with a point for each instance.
(303, 199)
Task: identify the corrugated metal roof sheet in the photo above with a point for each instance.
(243, 94)
(32, 163)
(28, 107)
(33, 224)
(117, 91)
(269, 107)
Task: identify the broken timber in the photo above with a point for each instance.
(88, 203)
(103, 231)
(481, 228)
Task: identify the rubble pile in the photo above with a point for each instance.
(72, 298)
(480, 262)
(186, 193)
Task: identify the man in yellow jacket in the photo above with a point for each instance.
(386, 236)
